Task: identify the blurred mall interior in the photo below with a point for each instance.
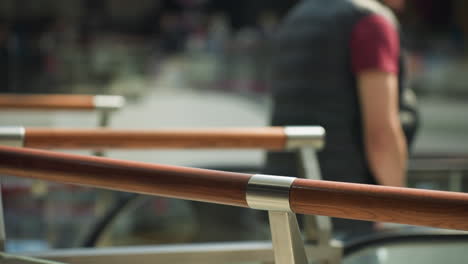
(194, 63)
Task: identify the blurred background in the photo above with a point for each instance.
(192, 63)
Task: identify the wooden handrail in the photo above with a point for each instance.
(59, 102)
(273, 138)
(354, 201)
(169, 181)
(381, 203)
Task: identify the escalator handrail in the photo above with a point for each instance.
(271, 138)
(345, 200)
(60, 102)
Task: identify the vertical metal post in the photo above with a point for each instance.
(286, 238)
(104, 118)
(14, 137)
(271, 193)
(106, 105)
(103, 122)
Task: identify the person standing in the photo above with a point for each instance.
(338, 64)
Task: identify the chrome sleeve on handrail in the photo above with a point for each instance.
(108, 102)
(304, 136)
(267, 192)
(12, 136)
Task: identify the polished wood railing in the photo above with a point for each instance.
(345, 200)
(271, 138)
(59, 102)
(267, 138)
(169, 181)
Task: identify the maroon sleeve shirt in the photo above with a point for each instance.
(375, 45)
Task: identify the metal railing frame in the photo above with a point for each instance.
(302, 139)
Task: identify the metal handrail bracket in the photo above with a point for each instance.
(271, 193)
(12, 136)
(304, 136)
(106, 105)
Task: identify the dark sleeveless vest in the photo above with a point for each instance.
(312, 84)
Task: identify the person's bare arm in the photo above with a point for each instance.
(385, 144)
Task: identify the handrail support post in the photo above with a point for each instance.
(271, 193)
(104, 116)
(106, 105)
(288, 246)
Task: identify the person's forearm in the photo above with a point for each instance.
(387, 157)
(385, 143)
